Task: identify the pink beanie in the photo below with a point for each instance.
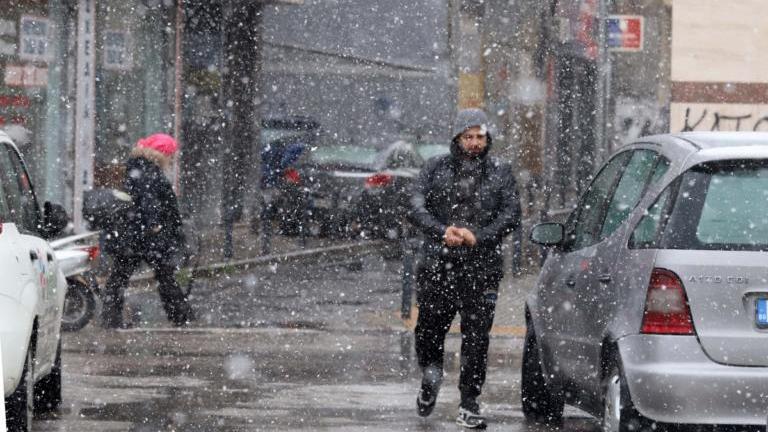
(163, 143)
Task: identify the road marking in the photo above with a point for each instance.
(496, 330)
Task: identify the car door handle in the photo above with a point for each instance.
(604, 278)
(33, 255)
(570, 283)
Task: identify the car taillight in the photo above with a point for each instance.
(666, 306)
(93, 252)
(378, 180)
(292, 176)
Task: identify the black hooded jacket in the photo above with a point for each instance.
(154, 228)
(480, 195)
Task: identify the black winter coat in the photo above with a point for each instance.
(154, 228)
(489, 207)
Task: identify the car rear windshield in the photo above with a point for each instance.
(348, 155)
(720, 206)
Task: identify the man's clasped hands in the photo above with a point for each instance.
(455, 236)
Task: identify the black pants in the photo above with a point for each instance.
(439, 299)
(174, 302)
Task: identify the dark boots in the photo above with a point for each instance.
(430, 387)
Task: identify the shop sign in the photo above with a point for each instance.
(7, 48)
(117, 50)
(14, 119)
(14, 101)
(7, 27)
(576, 27)
(624, 33)
(26, 76)
(34, 38)
(14, 109)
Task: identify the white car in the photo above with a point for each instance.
(31, 295)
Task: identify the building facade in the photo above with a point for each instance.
(81, 82)
(718, 66)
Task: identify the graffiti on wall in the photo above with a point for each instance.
(686, 117)
(635, 118)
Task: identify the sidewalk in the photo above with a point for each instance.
(210, 261)
(208, 248)
(510, 306)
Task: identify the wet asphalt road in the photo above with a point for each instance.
(309, 347)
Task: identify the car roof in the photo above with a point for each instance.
(687, 149)
(709, 140)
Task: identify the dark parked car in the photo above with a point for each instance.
(323, 186)
(284, 195)
(317, 187)
(380, 209)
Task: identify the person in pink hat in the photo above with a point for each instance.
(152, 232)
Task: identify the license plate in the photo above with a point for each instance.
(761, 312)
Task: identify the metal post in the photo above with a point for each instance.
(408, 278)
(517, 252)
(178, 90)
(265, 221)
(85, 115)
(602, 80)
(228, 250)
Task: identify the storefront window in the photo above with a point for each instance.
(26, 50)
(134, 87)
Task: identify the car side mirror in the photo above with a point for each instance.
(548, 234)
(55, 219)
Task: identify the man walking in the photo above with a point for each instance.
(464, 203)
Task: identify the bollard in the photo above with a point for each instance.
(405, 308)
(304, 224)
(517, 252)
(265, 219)
(228, 251)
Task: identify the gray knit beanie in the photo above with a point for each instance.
(467, 118)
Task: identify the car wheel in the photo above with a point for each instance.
(541, 403)
(48, 389)
(19, 406)
(619, 413)
(79, 306)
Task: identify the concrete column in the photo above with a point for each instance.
(53, 185)
(242, 49)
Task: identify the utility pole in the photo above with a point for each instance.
(603, 82)
(85, 106)
(242, 49)
(471, 78)
(178, 89)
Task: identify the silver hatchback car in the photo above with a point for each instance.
(652, 306)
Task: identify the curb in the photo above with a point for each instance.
(227, 267)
